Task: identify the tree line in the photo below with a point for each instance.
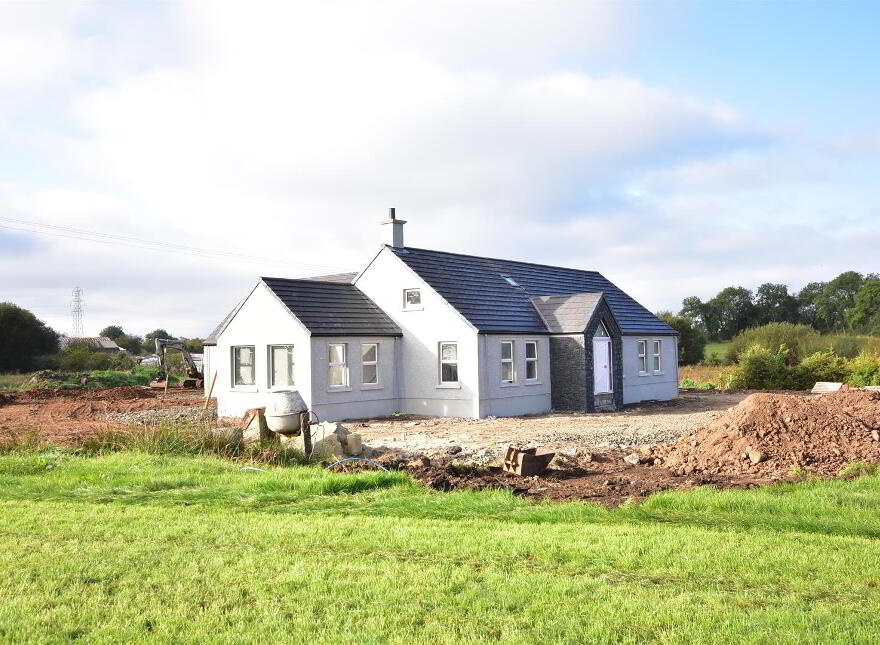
(848, 303)
(27, 343)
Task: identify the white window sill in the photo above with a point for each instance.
(339, 388)
(243, 388)
(413, 309)
(449, 386)
(658, 373)
(372, 386)
(644, 374)
(534, 382)
(281, 388)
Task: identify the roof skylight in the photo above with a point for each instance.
(510, 281)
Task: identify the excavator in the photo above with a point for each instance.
(195, 378)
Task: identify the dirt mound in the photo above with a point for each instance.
(125, 393)
(774, 434)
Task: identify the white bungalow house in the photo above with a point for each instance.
(441, 334)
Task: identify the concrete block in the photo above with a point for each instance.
(353, 445)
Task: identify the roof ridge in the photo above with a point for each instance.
(485, 257)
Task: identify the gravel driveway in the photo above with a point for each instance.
(484, 440)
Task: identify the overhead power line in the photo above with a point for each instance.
(149, 245)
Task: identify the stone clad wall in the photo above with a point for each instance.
(568, 375)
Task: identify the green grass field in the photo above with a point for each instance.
(129, 547)
(715, 350)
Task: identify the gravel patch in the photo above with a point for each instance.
(483, 441)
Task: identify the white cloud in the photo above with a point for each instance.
(287, 129)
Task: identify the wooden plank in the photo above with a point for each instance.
(822, 387)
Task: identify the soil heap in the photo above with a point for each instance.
(774, 434)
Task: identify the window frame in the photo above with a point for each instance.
(233, 355)
(657, 355)
(344, 364)
(511, 361)
(441, 362)
(270, 364)
(407, 306)
(378, 382)
(534, 361)
(642, 350)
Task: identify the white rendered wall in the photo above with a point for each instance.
(261, 321)
(420, 390)
(650, 387)
(358, 400)
(521, 397)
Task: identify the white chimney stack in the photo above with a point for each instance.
(396, 230)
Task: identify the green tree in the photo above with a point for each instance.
(864, 315)
(133, 344)
(773, 303)
(23, 337)
(113, 332)
(691, 339)
(149, 344)
(699, 311)
(808, 312)
(194, 345)
(836, 298)
(733, 309)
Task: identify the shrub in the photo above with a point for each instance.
(824, 366)
(761, 369)
(864, 370)
(799, 339)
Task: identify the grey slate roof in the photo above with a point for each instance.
(335, 277)
(332, 308)
(567, 314)
(475, 287)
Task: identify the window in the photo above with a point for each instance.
(601, 331)
(510, 281)
(243, 365)
(448, 363)
(280, 365)
(412, 298)
(370, 363)
(531, 360)
(643, 357)
(338, 364)
(657, 347)
(508, 373)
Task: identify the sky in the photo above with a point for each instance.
(164, 156)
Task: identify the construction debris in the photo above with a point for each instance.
(526, 462)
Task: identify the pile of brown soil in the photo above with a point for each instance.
(125, 393)
(774, 434)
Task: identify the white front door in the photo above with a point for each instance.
(601, 365)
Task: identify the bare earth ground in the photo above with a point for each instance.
(460, 453)
(66, 415)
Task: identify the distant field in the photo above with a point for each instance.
(12, 381)
(718, 350)
(706, 377)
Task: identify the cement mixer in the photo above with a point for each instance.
(284, 412)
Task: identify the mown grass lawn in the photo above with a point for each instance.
(131, 547)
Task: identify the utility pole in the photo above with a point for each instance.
(76, 310)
